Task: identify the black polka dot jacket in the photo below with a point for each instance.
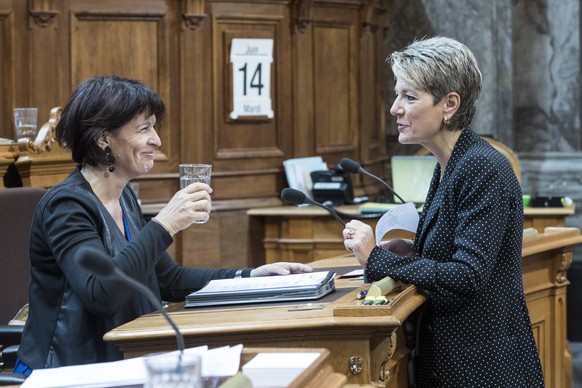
(474, 330)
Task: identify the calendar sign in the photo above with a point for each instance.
(251, 77)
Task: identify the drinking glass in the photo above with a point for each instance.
(25, 122)
(173, 370)
(190, 173)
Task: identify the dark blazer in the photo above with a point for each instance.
(70, 308)
(474, 330)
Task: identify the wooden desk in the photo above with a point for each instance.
(8, 155)
(541, 218)
(373, 336)
(40, 162)
(368, 340)
(305, 234)
(318, 374)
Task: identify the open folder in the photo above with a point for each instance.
(302, 286)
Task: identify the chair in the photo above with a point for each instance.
(502, 148)
(17, 207)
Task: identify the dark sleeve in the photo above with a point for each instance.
(483, 204)
(174, 281)
(72, 220)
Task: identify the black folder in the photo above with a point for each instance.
(305, 286)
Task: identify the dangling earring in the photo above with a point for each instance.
(109, 159)
(446, 120)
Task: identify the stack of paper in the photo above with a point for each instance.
(277, 369)
(224, 361)
(303, 286)
(298, 172)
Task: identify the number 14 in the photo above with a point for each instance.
(256, 80)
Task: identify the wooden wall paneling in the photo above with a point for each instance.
(197, 91)
(47, 88)
(21, 41)
(250, 150)
(181, 48)
(373, 155)
(336, 45)
(246, 154)
(303, 81)
(7, 76)
(196, 144)
(137, 39)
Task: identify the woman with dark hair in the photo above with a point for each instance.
(474, 329)
(110, 126)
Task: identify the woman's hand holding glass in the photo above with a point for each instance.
(190, 205)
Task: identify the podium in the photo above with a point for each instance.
(367, 345)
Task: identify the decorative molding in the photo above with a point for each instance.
(45, 139)
(369, 22)
(303, 14)
(193, 21)
(355, 364)
(384, 374)
(43, 18)
(193, 15)
(4, 14)
(43, 12)
(566, 262)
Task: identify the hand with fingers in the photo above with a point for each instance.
(359, 239)
(190, 205)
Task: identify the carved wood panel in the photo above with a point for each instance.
(247, 153)
(326, 66)
(132, 42)
(326, 89)
(6, 83)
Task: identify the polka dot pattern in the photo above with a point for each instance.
(474, 330)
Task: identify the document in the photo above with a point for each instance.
(298, 172)
(304, 286)
(403, 217)
(224, 361)
(270, 370)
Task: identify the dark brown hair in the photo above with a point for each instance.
(103, 104)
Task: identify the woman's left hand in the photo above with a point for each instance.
(282, 268)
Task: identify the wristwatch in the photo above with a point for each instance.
(238, 273)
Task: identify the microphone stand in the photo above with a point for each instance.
(297, 197)
(151, 296)
(99, 264)
(355, 168)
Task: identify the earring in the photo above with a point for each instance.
(109, 159)
(446, 120)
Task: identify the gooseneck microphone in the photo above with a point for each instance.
(101, 265)
(296, 197)
(355, 168)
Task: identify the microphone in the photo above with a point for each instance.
(355, 168)
(102, 266)
(296, 197)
